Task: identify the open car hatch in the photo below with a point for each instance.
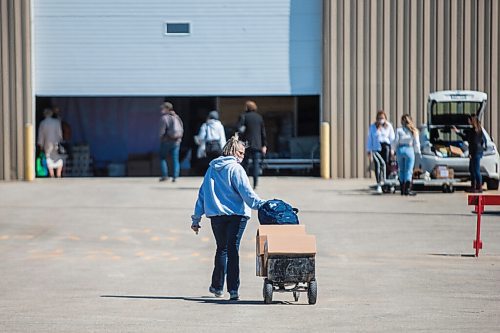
(453, 107)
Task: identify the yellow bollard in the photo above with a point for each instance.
(325, 150)
(29, 153)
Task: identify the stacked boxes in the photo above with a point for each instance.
(80, 164)
(281, 247)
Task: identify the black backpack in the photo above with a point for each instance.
(277, 211)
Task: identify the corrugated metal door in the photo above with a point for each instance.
(234, 47)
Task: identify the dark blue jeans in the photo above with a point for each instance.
(227, 230)
(475, 170)
(256, 156)
(169, 148)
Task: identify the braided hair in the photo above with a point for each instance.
(233, 145)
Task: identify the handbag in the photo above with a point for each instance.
(41, 165)
(213, 147)
(60, 149)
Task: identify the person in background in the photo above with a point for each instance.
(251, 128)
(49, 138)
(66, 130)
(378, 146)
(171, 132)
(406, 144)
(226, 198)
(475, 138)
(210, 139)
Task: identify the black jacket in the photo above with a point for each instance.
(252, 130)
(475, 139)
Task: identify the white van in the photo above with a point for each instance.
(439, 142)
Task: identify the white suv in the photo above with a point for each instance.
(446, 109)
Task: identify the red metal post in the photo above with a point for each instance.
(477, 244)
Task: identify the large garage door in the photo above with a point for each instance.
(177, 47)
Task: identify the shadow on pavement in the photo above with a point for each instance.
(203, 299)
(175, 188)
(490, 212)
(464, 255)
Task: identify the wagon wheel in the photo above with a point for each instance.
(296, 296)
(267, 291)
(312, 292)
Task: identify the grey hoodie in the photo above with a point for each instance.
(225, 191)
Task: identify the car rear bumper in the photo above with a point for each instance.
(460, 165)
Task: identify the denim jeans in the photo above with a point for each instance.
(475, 169)
(256, 156)
(228, 230)
(170, 148)
(406, 161)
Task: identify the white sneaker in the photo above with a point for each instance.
(379, 189)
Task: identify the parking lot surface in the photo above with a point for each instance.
(117, 255)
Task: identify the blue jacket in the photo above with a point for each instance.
(378, 136)
(225, 191)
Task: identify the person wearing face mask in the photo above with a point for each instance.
(378, 147)
(226, 198)
(406, 145)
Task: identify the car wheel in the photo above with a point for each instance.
(492, 184)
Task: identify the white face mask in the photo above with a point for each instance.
(239, 155)
(381, 121)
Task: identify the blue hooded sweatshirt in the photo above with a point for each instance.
(225, 191)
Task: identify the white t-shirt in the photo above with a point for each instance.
(404, 137)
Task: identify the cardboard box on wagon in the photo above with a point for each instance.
(265, 230)
(284, 240)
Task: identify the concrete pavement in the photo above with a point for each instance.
(117, 255)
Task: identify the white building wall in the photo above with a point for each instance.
(118, 47)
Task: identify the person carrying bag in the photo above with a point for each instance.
(211, 138)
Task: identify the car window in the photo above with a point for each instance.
(441, 135)
(453, 113)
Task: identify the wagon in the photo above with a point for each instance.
(285, 257)
(446, 184)
(290, 274)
